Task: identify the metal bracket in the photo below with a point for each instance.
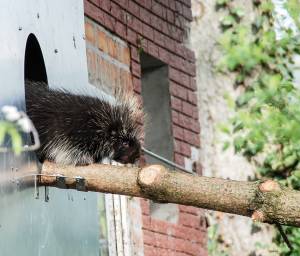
(46, 194)
(61, 181)
(80, 183)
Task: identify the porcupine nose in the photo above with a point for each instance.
(131, 155)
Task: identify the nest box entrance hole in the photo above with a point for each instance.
(34, 65)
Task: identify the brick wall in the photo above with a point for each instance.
(116, 31)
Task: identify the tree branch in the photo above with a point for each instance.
(263, 201)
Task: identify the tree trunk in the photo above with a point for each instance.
(263, 201)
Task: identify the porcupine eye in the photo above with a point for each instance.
(125, 144)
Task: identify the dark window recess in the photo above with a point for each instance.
(158, 133)
(156, 99)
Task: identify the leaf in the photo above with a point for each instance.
(238, 12)
(16, 139)
(238, 143)
(3, 127)
(226, 145)
(227, 21)
(222, 2)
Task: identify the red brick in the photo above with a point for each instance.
(134, 53)
(116, 11)
(175, 116)
(170, 44)
(154, 251)
(145, 206)
(134, 8)
(91, 61)
(131, 36)
(153, 49)
(177, 146)
(164, 55)
(109, 22)
(179, 7)
(186, 2)
(182, 148)
(191, 138)
(95, 2)
(176, 104)
(146, 222)
(160, 226)
(148, 31)
(187, 122)
(178, 34)
(190, 55)
(170, 16)
(187, 108)
(124, 54)
(192, 98)
(105, 5)
(155, 22)
(90, 32)
(102, 41)
(189, 67)
(187, 13)
(137, 84)
(195, 113)
(178, 132)
(174, 230)
(178, 91)
(93, 12)
(185, 149)
(112, 47)
(177, 62)
(157, 239)
(123, 3)
(188, 247)
(166, 28)
(143, 43)
(145, 15)
(189, 209)
(179, 159)
(159, 38)
(189, 220)
(157, 9)
(172, 4)
(136, 25)
(164, 2)
(150, 250)
(193, 84)
(189, 234)
(146, 3)
(120, 29)
(179, 77)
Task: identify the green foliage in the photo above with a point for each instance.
(266, 125)
(213, 242)
(9, 129)
(293, 7)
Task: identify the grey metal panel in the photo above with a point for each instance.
(68, 223)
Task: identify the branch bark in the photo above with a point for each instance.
(263, 201)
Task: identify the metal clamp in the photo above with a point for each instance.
(80, 183)
(61, 181)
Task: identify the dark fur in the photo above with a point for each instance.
(82, 129)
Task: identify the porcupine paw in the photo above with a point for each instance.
(116, 163)
(106, 160)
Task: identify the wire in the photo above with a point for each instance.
(150, 153)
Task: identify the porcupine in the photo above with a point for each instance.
(81, 129)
